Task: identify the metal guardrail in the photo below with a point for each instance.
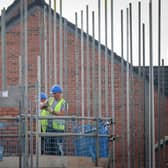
(32, 132)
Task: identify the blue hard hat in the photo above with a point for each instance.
(56, 89)
(43, 95)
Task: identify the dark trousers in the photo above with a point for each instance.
(55, 144)
(43, 143)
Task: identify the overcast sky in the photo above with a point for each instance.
(70, 7)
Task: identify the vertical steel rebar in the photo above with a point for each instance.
(99, 59)
(61, 54)
(77, 66)
(112, 82)
(20, 135)
(55, 42)
(82, 72)
(128, 94)
(20, 70)
(159, 95)
(65, 61)
(21, 76)
(41, 27)
(93, 83)
(31, 140)
(164, 119)
(122, 92)
(139, 90)
(151, 93)
(26, 82)
(3, 49)
(149, 124)
(94, 86)
(88, 62)
(22, 157)
(132, 91)
(45, 53)
(164, 152)
(139, 36)
(106, 63)
(38, 144)
(144, 102)
(50, 45)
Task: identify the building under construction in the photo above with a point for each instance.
(117, 115)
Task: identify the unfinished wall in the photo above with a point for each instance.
(70, 84)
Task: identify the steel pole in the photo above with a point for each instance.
(99, 60)
(20, 70)
(93, 80)
(132, 91)
(150, 91)
(151, 95)
(31, 141)
(3, 49)
(106, 63)
(144, 102)
(77, 66)
(61, 54)
(19, 135)
(38, 144)
(159, 95)
(45, 54)
(41, 26)
(55, 42)
(50, 45)
(94, 86)
(22, 157)
(26, 82)
(65, 61)
(82, 72)
(122, 92)
(128, 94)
(21, 76)
(88, 62)
(139, 90)
(112, 82)
(164, 111)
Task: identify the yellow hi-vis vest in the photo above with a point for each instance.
(57, 124)
(44, 123)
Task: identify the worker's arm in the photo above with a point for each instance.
(62, 111)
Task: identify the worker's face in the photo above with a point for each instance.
(43, 100)
(57, 95)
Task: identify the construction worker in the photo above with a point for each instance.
(44, 123)
(57, 107)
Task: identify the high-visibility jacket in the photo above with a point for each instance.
(44, 123)
(57, 124)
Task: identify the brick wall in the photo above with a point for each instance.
(70, 83)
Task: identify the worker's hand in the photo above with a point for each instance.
(53, 113)
(50, 109)
(42, 108)
(44, 105)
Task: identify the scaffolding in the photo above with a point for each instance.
(116, 114)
